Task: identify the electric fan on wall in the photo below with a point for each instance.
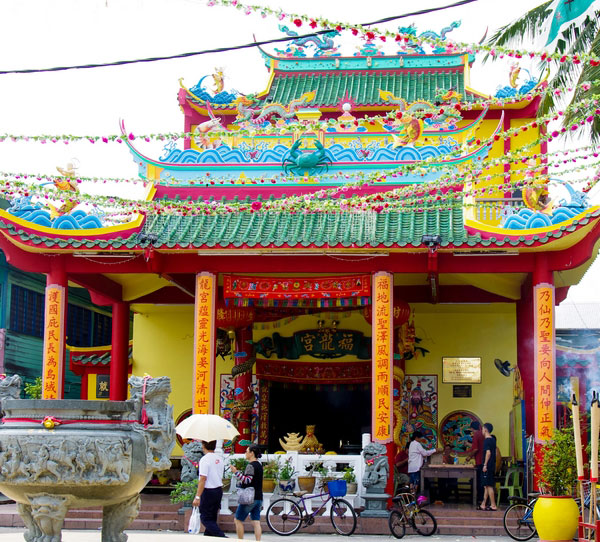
(504, 367)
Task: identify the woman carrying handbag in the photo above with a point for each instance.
(251, 482)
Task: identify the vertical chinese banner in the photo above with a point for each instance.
(382, 358)
(54, 343)
(545, 361)
(204, 341)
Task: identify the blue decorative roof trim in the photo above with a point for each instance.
(369, 63)
(33, 212)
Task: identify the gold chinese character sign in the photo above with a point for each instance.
(204, 356)
(545, 361)
(54, 343)
(461, 370)
(382, 357)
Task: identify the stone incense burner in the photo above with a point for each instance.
(60, 454)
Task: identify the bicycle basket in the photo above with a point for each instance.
(337, 488)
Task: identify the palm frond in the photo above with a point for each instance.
(525, 27)
(591, 75)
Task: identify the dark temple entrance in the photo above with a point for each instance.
(340, 413)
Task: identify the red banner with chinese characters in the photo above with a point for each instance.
(204, 358)
(383, 356)
(545, 361)
(350, 290)
(232, 317)
(54, 343)
(311, 372)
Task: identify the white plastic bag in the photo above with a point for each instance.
(194, 524)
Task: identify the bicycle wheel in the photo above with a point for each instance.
(397, 523)
(424, 522)
(518, 521)
(343, 517)
(284, 517)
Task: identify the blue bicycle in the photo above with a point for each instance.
(518, 517)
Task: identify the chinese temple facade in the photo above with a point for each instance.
(333, 252)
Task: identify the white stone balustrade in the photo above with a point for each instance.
(299, 463)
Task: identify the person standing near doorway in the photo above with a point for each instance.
(251, 477)
(416, 457)
(489, 468)
(401, 468)
(476, 453)
(210, 488)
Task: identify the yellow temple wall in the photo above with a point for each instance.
(163, 345)
(164, 336)
(485, 331)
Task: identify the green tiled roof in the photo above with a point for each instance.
(303, 230)
(289, 230)
(363, 88)
(95, 359)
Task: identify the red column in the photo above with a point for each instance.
(119, 361)
(525, 355)
(55, 327)
(83, 393)
(244, 400)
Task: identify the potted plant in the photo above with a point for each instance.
(318, 469)
(307, 482)
(286, 476)
(184, 492)
(556, 514)
(350, 478)
(270, 473)
(240, 463)
(227, 479)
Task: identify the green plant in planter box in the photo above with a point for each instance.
(240, 463)
(184, 491)
(559, 467)
(286, 471)
(33, 390)
(271, 469)
(349, 475)
(317, 467)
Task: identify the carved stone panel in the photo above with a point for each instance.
(65, 460)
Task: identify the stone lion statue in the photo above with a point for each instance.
(377, 469)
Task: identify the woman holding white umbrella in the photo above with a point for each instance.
(209, 428)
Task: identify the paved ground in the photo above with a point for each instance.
(16, 535)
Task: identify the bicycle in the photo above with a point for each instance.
(518, 517)
(286, 515)
(408, 510)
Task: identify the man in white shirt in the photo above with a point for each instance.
(210, 488)
(416, 456)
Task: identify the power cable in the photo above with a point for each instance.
(225, 49)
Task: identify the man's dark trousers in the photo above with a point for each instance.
(210, 502)
(479, 488)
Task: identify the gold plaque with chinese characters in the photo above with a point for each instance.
(461, 370)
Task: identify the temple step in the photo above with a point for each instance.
(158, 514)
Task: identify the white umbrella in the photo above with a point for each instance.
(206, 427)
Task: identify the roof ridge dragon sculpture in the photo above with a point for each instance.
(258, 116)
(324, 44)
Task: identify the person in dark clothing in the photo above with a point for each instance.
(251, 477)
(401, 468)
(210, 488)
(489, 468)
(476, 453)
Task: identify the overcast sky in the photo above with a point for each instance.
(42, 33)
